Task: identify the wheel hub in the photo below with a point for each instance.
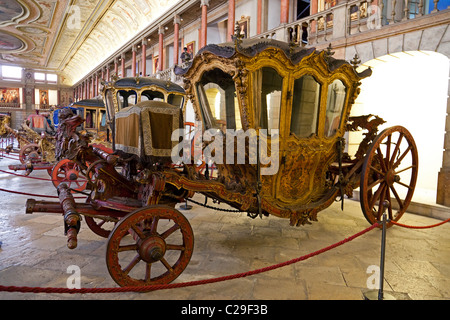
(391, 177)
(152, 249)
(72, 175)
(33, 156)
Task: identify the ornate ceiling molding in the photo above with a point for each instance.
(28, 28)
(71, 37)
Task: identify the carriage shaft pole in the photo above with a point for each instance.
(71, 216)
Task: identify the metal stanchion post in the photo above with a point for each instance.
(185, 206)
(383, 251)
(380, 294)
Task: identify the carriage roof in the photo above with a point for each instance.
(144, 82)
(235, 66)
(88, 103)
(252, 47)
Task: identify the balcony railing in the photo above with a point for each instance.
(353, 17)
(343, 20)
(11, 105)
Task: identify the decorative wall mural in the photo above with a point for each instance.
(43, 97)
(9, 95)
(53, 34)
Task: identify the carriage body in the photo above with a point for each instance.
(299, 97)
(93, 112)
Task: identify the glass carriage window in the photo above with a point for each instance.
(217, 96)
(90, 120)
(305, 106)
(175, 100)
(152, 95)
(335, 104)
(267, 87)
(102, 120)
(126, 98)
(110, 104)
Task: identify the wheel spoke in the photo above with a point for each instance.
(175, 247)
(388, 149)
(402, 170)
(370, 187)
(148, 271)
(397, 147)
(167, 265)
(397, 197)
(128, 247)
(376, 196)
(132, 264)
(168, 232)
(154, 225)
(405, 185)
(381, 159)
(380, 202)
(376, 170)
(397, 163)
(138, 231)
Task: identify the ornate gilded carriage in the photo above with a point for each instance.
(304, 95)
(271, 120)
(136, 108)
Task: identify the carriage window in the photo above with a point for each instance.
(102, 120)
(335, 104)
(305, 106)
(217, 96)
(90, 119)
(267, 87)
(175, 100)
(126, 98)
(110, 105)
(152, 95)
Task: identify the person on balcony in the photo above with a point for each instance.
(186, 56)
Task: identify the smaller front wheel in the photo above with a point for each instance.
(69, 172)
(152, 245)
(30, 152)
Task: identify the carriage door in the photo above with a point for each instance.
(302, 148)
(268, 101)
(218, 102)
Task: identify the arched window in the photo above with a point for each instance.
(305, 106)
(126, 98)
(218, 101)
(335, 104)
(267, 88)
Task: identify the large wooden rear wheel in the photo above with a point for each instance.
(152, 245)
(389, 175)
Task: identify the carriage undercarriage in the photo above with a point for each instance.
(115, 213)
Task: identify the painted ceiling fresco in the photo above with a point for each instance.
(71, 37)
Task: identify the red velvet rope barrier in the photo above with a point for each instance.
(181, 284)
(420, 227)
(24, 176)
(30, 177)
(34, 194)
